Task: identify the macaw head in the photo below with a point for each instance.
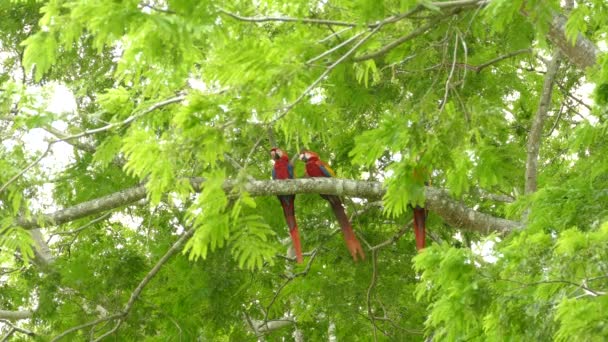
(305, 155)
(276, 153)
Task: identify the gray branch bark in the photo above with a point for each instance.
(15, 315)
(583, 53)
(453, 212)
(536, 131)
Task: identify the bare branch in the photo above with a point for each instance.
(327, 71)
(480, 67)
(44, 257)
(79, 229)
(25, 169)
(388, 47)
(18, 329)
(174, 249)
(86, 325)
(127, 120)
(90, 132)
(346, 42)
(62, 136)
(16, 315)
(290, 278)
(121, 316)
(576, 99)
(391, 19)
(288, 20)
(372, 284)
(582, 285)
(583, 53)
(449, 80)
(536, 131)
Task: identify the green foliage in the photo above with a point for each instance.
(178, 89)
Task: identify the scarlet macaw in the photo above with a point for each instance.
(318, 168)
(283, 169)
(420, 214)
(420, 226)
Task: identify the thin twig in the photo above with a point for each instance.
(24, 170)
(93, 131)
(8, 335)
(121, 316)
(86, 325)
(329, 69)
(567, 93)
(111, 331)
(388, 47)
(466, 58)
(447, 83)
(77, 230)
(127, 120)
(457, 4)
(333, 34)
(594, 293)
(372, 284)
(18, 329)
(285, 283)
(346, 42)
(559, 115)
(255, 146)
(480, 67)
(287, 20)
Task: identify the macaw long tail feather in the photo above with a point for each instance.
(287, 202)
(420, 227)
(295, 239)
(353, 245)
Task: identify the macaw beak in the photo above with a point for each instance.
(302, 157)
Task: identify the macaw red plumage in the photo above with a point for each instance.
(283, 169)
(420, 226)
(318, 168)
(420, 215)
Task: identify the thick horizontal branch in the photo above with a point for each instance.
(582, 53)
(453, 212)
(15, 315)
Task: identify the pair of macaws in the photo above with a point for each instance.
(315, 167)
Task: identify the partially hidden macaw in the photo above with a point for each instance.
(420, 226)
(420, 215)
(318, 168)
(283, 169)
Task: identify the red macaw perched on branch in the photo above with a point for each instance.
(317, 168)
(283, 169)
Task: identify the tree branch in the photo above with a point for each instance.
(439, 201)
(18, 329)
(536, 131)
(583, 53)
(121, 316)
(290, 278)
(480, 67)
(388, 47)
(91, 132)
(327, 71)
(372, 284)
(15, 315)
